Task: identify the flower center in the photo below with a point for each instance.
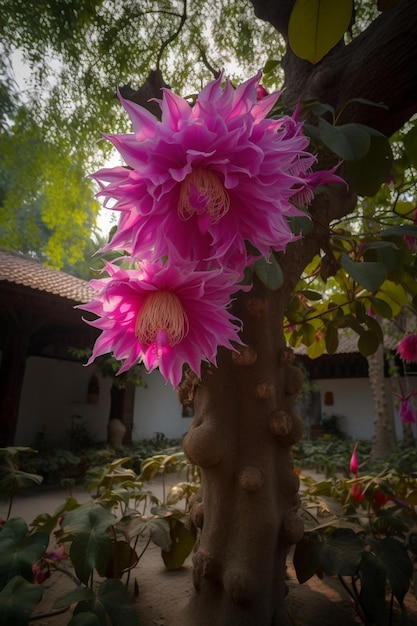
(201, 191)
(161, 318)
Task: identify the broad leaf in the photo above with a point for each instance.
(367, 174)
(370, 275)
(17, 600)
(341, 553)
(269, 272)
(307, 557)
(79, 594)
(113, 597)
(368, 342)
(315, 26)
(331, 339)
(182, 542)
(372, 593)
(349, 141)
(90, 550)
(396, 563)
(380, 307)
(19, 550)
(410, 145)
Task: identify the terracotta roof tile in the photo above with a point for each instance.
(22, 270)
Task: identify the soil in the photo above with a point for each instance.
(163, 595)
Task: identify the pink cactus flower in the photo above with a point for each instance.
(208, 177)
(163, 316)
(407, 413)
(354, 465)
(407, 348)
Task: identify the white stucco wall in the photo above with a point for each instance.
(353, 400)
(157, 409)
(52, 392)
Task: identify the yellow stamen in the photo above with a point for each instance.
(161, 311)
(201, 191)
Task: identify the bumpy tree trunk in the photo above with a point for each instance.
(241, 435)
(384, 440)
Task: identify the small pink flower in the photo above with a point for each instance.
(407, 413)
(163, 316)
(354, 465)
(407, 348)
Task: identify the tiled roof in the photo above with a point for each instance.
(22, 270)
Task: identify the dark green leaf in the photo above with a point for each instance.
(349, 141)
(300, 225)
(372, 593)
(396, 563)
(380, 307)
(182, 542)
(85, 619)
(269, 272)
(375, 326)
(367, 174)
(79, 594)
(410, 145)
(331, 339)
(19, 550)
(90, 550)
(17, 600)
(311, 295)
(400, 231)
(368, 343)
(368, 274)
(341, 553)
(113, 596)
(307, 557)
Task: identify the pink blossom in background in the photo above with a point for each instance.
(407, 413)
(407, 348)
(354, 465)
(163, 316)
(208, 177)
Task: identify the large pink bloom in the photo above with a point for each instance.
(163, 316)
(208, 177)
(407, 348)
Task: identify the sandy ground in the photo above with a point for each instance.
(163, 594)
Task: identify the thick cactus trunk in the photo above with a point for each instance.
(241, 435)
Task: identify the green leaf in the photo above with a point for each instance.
(370, 275)
(311, 295)
(368, 342)
(400, 231)
(372, 593)
(88, 517)
(300, 225)
(113, 597)
(79, 594)
(307, 557)
(341, 553)
(410, 145)
(17, 600)
(85, 619)
(269, 272)
(316, 26)
(90, 550)
(123, 558)
(331, 339)
(19, 550)
(182, 542)
(349, 141)
(270, 65)
(367, 174)
(393, 557)
(381, 307)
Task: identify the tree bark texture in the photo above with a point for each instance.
(241, 437)
(384, 439)
(244, 422)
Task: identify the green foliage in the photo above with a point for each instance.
(316, 26)
(361, 531)
(17, 600)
